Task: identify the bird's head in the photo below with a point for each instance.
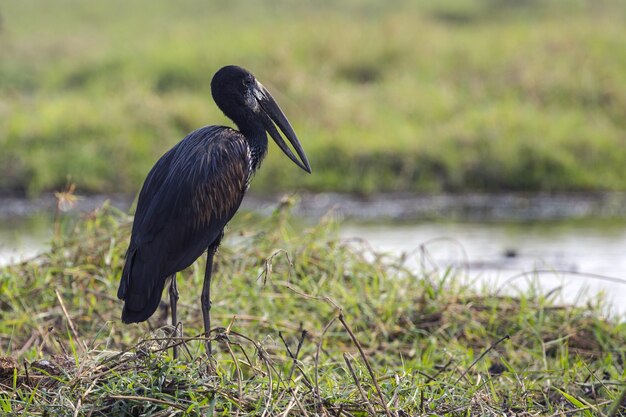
(248, 103)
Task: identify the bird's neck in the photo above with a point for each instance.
(257, 140)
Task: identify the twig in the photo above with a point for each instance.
(265, 360)
(239, 374)
(301, 293)
(295, 397)
(294, 357)
(26, 372)
(77, 408)
(439, 372)
(230, 325)
(318, 397)
(148, 399)
(482, 355)
(346, 358)
(82, 347)
(617, 404)
(367, 364)
(267, 270)
(248, 361)
(290, 405)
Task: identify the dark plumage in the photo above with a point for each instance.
(195, 189)
(185, 202)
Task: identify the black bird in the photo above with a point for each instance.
(195, 189)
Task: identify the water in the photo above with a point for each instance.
(579, 257)
(582, 259)
(24, 237)
(26, 226)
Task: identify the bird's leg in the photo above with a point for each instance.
(206, 294)
(173, 301)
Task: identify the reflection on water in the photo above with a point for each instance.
(576, 256)
(568, 252)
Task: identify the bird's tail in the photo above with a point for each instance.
(140, 288)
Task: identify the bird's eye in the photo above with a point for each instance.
(248, 81)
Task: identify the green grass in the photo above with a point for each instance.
(385, 96)
(434, 345)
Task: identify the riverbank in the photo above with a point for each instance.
(577, 241)
(303, 322)
(579, 246)
(484, 207)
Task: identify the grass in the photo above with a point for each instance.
(405, 96)
(305, 324)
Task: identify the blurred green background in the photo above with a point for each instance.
(480, 95)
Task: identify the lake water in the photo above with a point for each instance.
(23, 237)
(583, 258)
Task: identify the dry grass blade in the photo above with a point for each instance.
(318, 397)
(367, 364)
(292, 355)
(147, 399)
(482, 355)
(81, 345)
(237, 368)
(618, 403)
(371, 410)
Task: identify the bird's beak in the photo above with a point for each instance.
(276, 116)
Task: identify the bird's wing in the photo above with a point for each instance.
(185, 202)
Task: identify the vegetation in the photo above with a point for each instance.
(386, 96)
(309, 324)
